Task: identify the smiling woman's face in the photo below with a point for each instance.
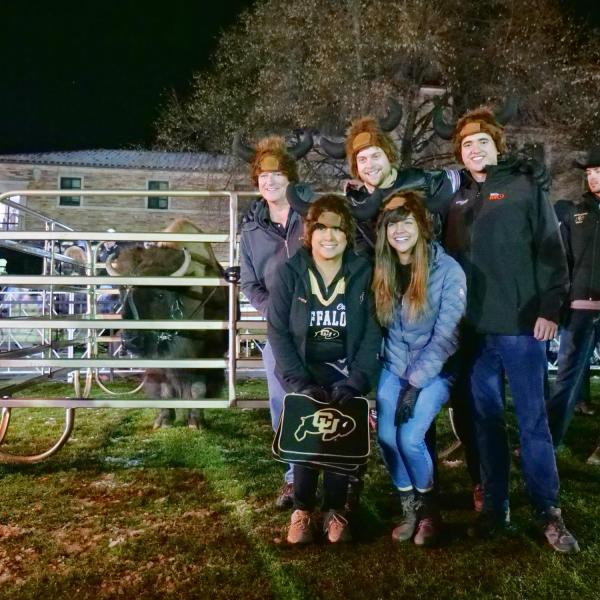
(328, 240)
(272, 185)
(402, 236)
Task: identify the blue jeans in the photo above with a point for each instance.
(403, 447)
(523, 359)
(276, 394)
(577, 341)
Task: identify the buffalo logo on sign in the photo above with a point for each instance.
(329, 423)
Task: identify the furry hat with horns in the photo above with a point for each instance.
(272, 154)
(364, 133)
(474, 121)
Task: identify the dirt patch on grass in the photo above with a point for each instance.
(134, 533)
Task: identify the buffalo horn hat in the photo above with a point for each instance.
(592, 159)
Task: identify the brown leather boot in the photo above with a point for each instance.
(406, 528)
(336, 528)
(428, 527)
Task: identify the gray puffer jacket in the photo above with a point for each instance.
(417, 350)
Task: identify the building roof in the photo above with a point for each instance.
(127, 159)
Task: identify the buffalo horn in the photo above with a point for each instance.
(241, 150)
(187, 259)
(109, 268)
(302, 147)
(333, 149)
(443, 129)
(508, 111)
(394, 116)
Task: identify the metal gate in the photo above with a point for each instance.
(92, 323)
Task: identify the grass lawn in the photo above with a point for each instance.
(125, 512)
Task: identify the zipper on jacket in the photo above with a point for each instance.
(471, 228)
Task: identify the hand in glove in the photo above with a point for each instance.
(405, 408)
(536, 169)
(316, 392)
(342, 394)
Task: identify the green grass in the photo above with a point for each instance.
(123, 511)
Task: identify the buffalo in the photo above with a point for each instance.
(176, 302)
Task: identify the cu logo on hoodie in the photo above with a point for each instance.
(495, 196)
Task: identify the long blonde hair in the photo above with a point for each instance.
(386, 279)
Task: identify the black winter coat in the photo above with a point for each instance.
(504, 234)
(288, 321)
(365, 205)
(580, 228)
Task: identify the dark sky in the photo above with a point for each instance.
(93, 74)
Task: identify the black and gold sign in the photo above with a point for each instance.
(321, 435)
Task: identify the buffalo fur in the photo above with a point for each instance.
(145, 262)
(199, 303)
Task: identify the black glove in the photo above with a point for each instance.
(316, 392)
(342, 394)
(535, 169)
(231, 274)
(405, 407)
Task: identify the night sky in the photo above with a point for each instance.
(94, 74)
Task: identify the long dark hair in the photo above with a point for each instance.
(386, 280)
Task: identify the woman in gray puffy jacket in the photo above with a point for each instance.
(420, 296)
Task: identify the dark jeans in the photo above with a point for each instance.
(335, 488)
(577, 342)
(306, 479)
(523, 359)
(460, 400)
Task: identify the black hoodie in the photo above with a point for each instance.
(288, 322)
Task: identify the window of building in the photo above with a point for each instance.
(9, 215)
(70, 183)
(158, 202)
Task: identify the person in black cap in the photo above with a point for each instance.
(580, 228)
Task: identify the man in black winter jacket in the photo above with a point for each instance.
(501, 228)
(580, 228)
